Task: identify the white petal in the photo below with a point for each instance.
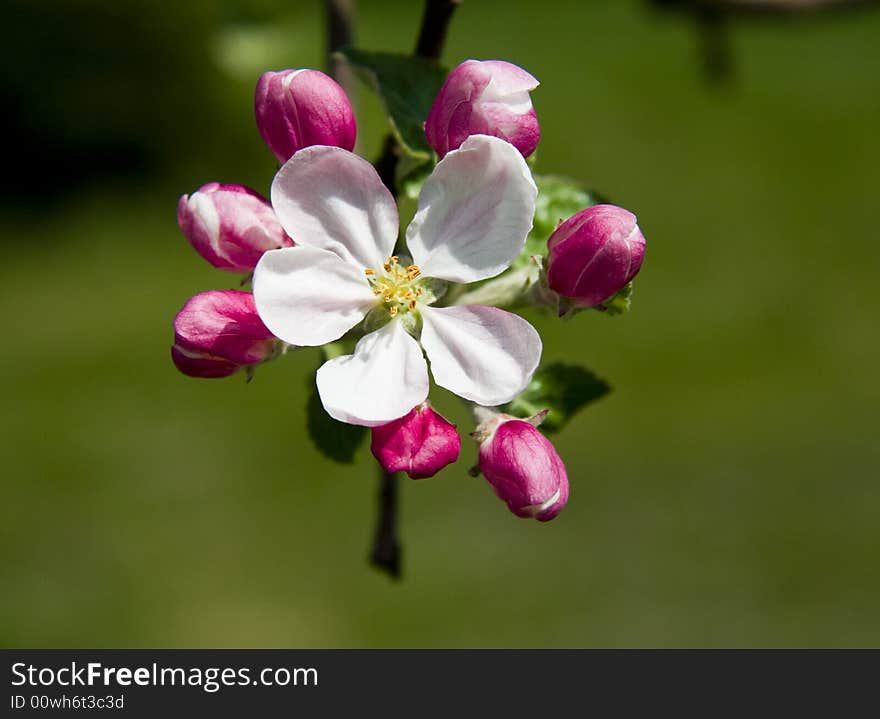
(329, 198)
(475, 211)
(481, 353)
(307, 296)
(383, 380)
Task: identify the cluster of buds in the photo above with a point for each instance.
(324, 226)
(219, 332)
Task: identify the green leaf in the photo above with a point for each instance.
(558, 199)
(561, 388)
(407, 86)
(336, 440)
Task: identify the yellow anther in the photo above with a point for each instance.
(396, 285)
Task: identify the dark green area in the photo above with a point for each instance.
(407, 86)
(562, 390)
(725, 494)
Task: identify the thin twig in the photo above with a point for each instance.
(386, 545)
(340, 33)
(435, 25)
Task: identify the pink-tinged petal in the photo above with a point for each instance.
(489, 97)
(203, 365)
(384, 378)
(309, 297)
(483, 354)
(594, 254)
(218, 332)
(231, 226)
(300, 108)
(506, 79)
(475, 211)
(524, 469)
(333, 200)
(420, 443)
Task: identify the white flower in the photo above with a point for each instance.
(474, 213)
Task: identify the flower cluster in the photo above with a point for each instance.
(330, 268)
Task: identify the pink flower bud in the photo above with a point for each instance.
(298, 108)
(523, 468)
(594, 254)
(217, 333)
(231, 226)
(420, 443)
(484, 97)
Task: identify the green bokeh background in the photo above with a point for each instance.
(725, 494)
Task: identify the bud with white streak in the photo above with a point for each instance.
(484, 97)
(217, 333)
(594, 254)
(299, 108)
(231, 226)
(523, 467)
(420, 443)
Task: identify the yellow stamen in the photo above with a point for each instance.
(395, 285)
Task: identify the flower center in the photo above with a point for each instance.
(397, 287)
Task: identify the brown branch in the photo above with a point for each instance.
(339, 16)
(435, 25)
(386, 545)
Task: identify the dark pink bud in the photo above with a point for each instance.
(523, 467)
(420, 443)
(217, 333)
(594, 254)
(298, 108)
(231, 226)
(488, 97)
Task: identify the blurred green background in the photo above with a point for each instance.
(725, 494)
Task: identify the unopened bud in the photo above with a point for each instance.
(523, 467)
(231, 226)
(217, 333)
(420, 443)
(488, 97)
(594, 254)
(299, 108)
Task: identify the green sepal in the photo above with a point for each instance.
(619, 303)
